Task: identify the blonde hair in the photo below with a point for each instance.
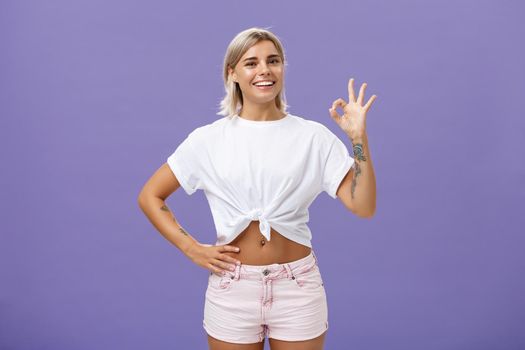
(233, 99)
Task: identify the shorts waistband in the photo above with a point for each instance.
(274, 271)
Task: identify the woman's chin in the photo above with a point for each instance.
(262, 100)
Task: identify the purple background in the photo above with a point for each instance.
(95, 95)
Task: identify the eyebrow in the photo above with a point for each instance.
(254, 58)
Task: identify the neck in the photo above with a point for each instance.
(261, 112)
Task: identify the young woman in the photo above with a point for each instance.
(260, 168)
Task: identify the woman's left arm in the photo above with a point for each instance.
(357, 190)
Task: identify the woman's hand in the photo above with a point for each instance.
(210, 257)
(353, 122)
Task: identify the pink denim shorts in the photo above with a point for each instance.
(281, 301)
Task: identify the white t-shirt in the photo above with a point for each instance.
(270, 171)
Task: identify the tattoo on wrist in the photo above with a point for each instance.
(357, 172)
(358, 151)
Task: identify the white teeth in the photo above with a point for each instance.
(264, 83)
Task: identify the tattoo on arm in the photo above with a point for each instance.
(165, 208)
(182, 231)
(357, 172)
(358, 153)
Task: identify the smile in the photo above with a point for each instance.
(264, 85)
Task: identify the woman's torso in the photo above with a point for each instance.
(249, 171)
(256, 250)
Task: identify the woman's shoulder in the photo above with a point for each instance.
(208, 130)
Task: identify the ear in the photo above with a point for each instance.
(232, 74)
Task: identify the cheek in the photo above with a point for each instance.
(247, 79)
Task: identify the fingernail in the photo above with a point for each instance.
(237, 249)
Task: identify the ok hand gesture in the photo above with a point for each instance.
(353, 122)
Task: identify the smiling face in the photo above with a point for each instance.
(261, 62)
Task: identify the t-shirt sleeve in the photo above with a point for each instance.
(185, 164)
(338, 163)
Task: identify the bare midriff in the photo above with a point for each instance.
(257, 250)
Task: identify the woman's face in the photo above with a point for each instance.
(261, 62)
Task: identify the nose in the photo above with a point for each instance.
(264, 69)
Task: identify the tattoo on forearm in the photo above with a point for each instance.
(359, 156)
(358, 151)
(357, 172)
(165, 208)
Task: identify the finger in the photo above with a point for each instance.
(339, 102)
(223, 265)
(351, 96)
(370, 101)
(214, 269)
(335, 116)
(230, 248)
(228, 258)
(361, 96)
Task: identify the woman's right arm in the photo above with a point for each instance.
(152, 199)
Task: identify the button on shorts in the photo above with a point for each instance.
(281, 301)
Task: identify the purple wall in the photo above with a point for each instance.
(95, 95)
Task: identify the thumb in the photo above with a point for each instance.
(335, 116)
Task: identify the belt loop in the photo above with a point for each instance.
(237, 272)
(289, 271)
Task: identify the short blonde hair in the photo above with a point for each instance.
(233, 100)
